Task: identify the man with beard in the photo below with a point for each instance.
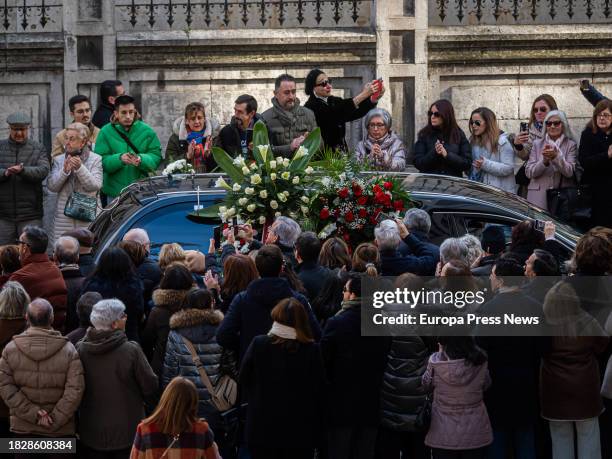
(80, 110)
(236, 138)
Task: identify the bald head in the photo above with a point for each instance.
(40, 313)
(66, 250)
(139, 235)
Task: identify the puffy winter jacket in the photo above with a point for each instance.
(110, 146)
(285, 126)
(21, 195)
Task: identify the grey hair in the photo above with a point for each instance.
(105, 312)
(453, 248)
(474, 248)
(82, 130)
(417, 220)
(66, 250)
(567, 130)
(387, 235)
(384, 114)
(13, 301)
(287, 230)
(137, 235)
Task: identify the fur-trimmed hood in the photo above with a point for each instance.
(171, 299)
(179, 127)
(194, 317)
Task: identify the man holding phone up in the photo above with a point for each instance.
(129, 148)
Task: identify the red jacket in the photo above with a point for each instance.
(41, 278)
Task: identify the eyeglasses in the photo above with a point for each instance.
(20, 242)
(82, 111)
(475, 123)
(540, 109)
(324, 83)
(553, 123)
(604, 116)
(434, 114)
(376, 125)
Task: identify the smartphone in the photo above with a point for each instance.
(376, 95)
(584, 84)
(217, 232)
(235, 226)
(524, 127)
(539, 225)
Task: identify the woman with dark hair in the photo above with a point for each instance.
(331, 112)
(197, 322)
(238, 272)
(595, 156)
(526, 237)
(174, 430)
(335, 254)
(441, 146)
(329, 300)
(458, 376)
(9, 262)
(115, 277)
(523, 141)
(169, 298)
(283, 375)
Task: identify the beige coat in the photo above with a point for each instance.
(87, 180)
(559, 173)
(58, 142)
(41, 369)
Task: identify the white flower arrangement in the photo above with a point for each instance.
(180, 166)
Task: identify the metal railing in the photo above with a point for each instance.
(31, 15)
(218, 14)
(498, 12)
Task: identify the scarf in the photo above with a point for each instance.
(324, 99)
(349, 304)
(201, 146)
(282, 331)
(555, 143)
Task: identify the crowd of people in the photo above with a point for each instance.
(144, 358)
(261, 354)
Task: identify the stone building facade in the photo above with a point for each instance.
(499, 54)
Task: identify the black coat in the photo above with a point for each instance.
(485, 266)
(523, 251)
(313, 276)
(593, 157)
(129, 292)
(229, 138)
(354, 366)
(102, 115)
(284, 390)
(74, 283)
(402, 394)
(150, 274)
(332, 117)
(458, 160)
(249, 313)
(423, 262)
(87, 264)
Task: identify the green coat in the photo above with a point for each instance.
(110, 146)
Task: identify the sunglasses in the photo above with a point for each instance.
(434, 114)
(540, 109)
(475, 123)
(553, 123)
(324, 83)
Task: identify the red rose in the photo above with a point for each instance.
(336, 212)
(380, 197)
(324, 214)
(387, 200)
(398, 205)
(349, 217)
(388, 185)
(357, 191)
(343, 193)
(362, 200)
(347, 237)
(377, 189)
(363, 213)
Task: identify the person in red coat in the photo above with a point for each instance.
(39, 276)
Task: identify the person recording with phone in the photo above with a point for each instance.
(78, 170)
(129, 148)
(236, 138)
(332, 113)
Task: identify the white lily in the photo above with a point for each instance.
(302, 151)
(263, 150)
(221, 183)
(285, 175)
(239, 160)
(246, 170)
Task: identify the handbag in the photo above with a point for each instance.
(521, 176)
(81, 206)
(570, 204)
(423, 417)
(223, 395)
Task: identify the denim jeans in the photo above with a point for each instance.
(562, 433)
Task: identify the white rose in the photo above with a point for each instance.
(304, 209)
(279, 159)
(285, 175)
(272, 176)
(277, 214)
(309, 170)
(242, 201)
(282, 197)
(286, 193)
(249, 190)
(263, 194)
(236, 187)
(245, 170)
(305, 199)
(293, 215)
(231, 212)
(255, 179)
(295, 180)
(274, 204)
(251, 207)
(286, 162)
(262, 219)
(272, 164)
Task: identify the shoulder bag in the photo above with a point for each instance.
(223, 395)
(126, 139)
(570, 204)
(81, 206)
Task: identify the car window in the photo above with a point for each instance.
(475, 224)
(170, 224)
(442, 227)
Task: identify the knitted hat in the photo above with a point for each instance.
(311, 81)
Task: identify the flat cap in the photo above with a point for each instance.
(19, 118)
(83, 235)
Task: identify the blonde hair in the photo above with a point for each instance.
(13, 301)
(177, 409)
(171, 253)
(82, 130)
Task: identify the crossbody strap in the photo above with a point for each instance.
(126, 139)
(198, 363)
